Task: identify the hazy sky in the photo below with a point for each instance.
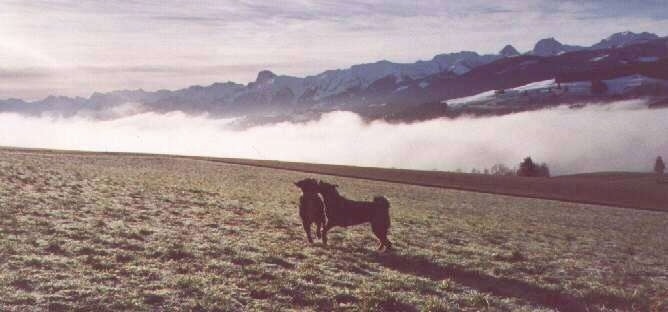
(75, 47)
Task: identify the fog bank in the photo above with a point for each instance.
(621, 136)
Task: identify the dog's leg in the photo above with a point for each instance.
(377, 232)
(307, 229)
(318, 229)
(388, 243)
(381, 233)
(324, 233)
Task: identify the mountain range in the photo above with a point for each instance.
(383, 88)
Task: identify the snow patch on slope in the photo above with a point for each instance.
(617, 86)
(599, 58)
(470, 99)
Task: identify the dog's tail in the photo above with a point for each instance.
(383, 209)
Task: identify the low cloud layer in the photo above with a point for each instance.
(622, 136)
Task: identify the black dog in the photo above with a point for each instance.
(311, 208)
(341, 211)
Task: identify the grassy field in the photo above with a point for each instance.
(620, 189)
(102, 232)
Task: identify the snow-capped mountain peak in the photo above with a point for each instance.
(550, 47)
(621, 39)
(264, 76)
(509, 51)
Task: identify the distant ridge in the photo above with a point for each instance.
(378, 89)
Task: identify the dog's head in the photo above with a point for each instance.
(327, 188)
(308, 185)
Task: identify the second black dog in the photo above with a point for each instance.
(311, 208)
(341, 211)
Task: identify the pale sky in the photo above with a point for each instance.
(76, 47)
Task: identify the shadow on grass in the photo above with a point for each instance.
(500, 286)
